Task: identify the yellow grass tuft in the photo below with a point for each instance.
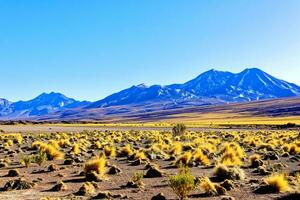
(185, 159)
(127, 150)
(199, 157)
(208, 187)
(97, 165)
(75, 149)
(140, 156)
(176, 149)
(278, 182)
(110, 151)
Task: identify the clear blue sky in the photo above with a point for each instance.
(90, 49)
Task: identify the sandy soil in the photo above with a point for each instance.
(69, 174)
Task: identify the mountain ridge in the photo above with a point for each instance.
(209, 88)
(247, 85)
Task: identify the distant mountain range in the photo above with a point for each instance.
(209, 88)
(41, 105)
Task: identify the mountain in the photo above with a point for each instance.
(209, 88)
(44, 104)
(4, 107)
(248, 85)
(142, 93)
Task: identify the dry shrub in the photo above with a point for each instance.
(182, 183)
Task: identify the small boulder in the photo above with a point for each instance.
(53, 167)
(19, 184)
(114, 170)
(153, 172)
(159, 196)
(86, 189)
(93, 176)
(227, 184)
(228, 198)
(13, 173)
(61, 186)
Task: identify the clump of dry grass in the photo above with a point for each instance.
(275, 183)
(140, 155)
(110, 151)
(176, 149)
(208, 187)
(126, 151)
(278, 182)
(211, 189)
(97, 165)
(200, 158)
(232, 155)
(75, 149)
(185, 159)
(223, 172)
(255, 161)
(51, 151)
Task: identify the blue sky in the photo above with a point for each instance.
(90, 49)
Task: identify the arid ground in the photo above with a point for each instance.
(137, 149)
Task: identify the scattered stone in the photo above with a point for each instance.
(271, 156)
(159, 196)
(255, 181)
(86, 189)
(103, 195)
(108, 195)
(277, 167)
(293, 196)
(153, 172)
(137, 162)
(19, 184)
(285, 154)
(257, 163)
(69, 161)
(3, 164)
(132, 184)
(228, 198)
(78, 160)
(93, 176)
(227, 184)
(294, 159)
(13, 173)
(82, 173)
(262, 171)
(114, 170)
(171, 158)
(61, 175)
(220, 190)
(53, 167)
(61, 186)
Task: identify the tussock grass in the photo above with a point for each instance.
(97, 165)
